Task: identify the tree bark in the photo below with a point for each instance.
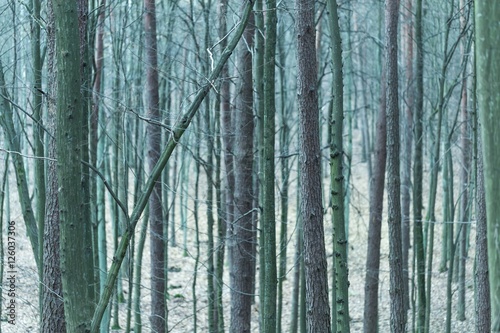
(242, 256)
(157, 317)
(488, 94)
(396, 289)
(76, 248)
(311, 210)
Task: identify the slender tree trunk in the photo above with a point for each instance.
(398, 310)
(316, 279)
(268, 289)
(370, 323)
(407, 151)
(418, 238)
(340, 303)
(154, 139)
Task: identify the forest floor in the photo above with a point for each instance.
(182, 272)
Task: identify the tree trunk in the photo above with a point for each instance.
(241, 229)
(340, 307)
(418, 238)
(370, 322)
(311, 211)
(157, 318)
(396, 289)
(76, 247)
(488, 94)
(52, 302)
(268, 289)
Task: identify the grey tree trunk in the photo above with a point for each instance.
(488, 95)
(370, 322)
(157, 317)
(418, 238)
(340, 303)
(52, 302)
(396, 289)
(311, 210)
(77, 267)
(268, 289)
(242, 256)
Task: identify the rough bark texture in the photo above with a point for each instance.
(370, 323)
(242, 276)
(483, 304)
(52, 303)
(157, 317)
(488, 94)
(76, 250)
(311, 211)
(396, 289)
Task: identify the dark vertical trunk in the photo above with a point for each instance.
(370, 323)
(52, 302)
(268, 289)
(418, 239)
(157, 318)
(77, 267)
(396, 288)
(311, 211)
(488, 94)
(242, 258)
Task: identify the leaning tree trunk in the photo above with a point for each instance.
(178, 130)
(311, 211)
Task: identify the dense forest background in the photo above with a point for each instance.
(249, 166)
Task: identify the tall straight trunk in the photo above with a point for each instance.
(76, 247)
(396, 288)
(268, 289)
(418, 238)
(215, 322)
(481, 282)
(242, 275)
(52, 302)
(259, 91)
(370, 322)
(407, 139)
(38, 138)
(465, 178)
(284, 140)
(157, 317)
(340, 303)
(488, 94)
(311, 211)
